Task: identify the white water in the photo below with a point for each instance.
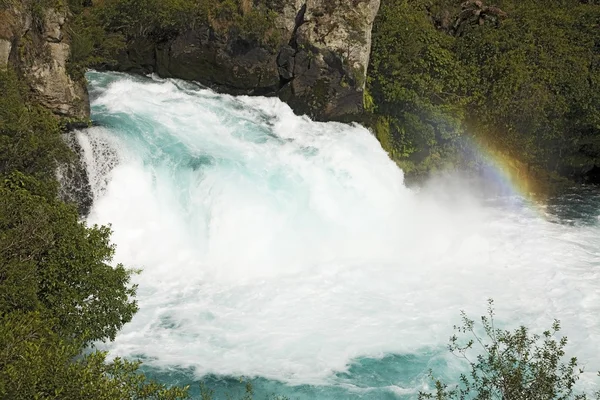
(278, 247)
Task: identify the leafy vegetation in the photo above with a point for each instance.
(91, 43)
(30, 139)
(100, 30)
(58, 289)
(510, 365)
(524, 83)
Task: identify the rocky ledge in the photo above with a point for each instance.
(37, 47)
(319, 67)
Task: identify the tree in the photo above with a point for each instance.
(36, 363)
(510, 365)
(517, 77)
(52, 263)
(58, 289)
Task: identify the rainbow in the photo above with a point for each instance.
(511, 177)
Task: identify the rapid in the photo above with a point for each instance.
(290, 252)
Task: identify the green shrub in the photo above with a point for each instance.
(36, 363)
(30, 140)
(510, 365)
(527, 86)
(161, 20)
(91, 44)
(58, 289)
(416, 81)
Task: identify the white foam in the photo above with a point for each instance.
(279, 247)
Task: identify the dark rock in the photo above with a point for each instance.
(285, 62)
(233, 65)
(471, 12)
(319, 69)
(139, 57)
(74, 182)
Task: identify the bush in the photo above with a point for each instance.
(36, 363)
(160, 20)
(58, 289)
(91, 44)
(416, 81)
(30, 140)
(526, 86)
(510, 365)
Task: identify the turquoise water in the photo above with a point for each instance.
(366, 378)
(290, 254)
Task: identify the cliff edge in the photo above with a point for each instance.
(317, 62)
(33, 42)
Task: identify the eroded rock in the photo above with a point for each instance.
(42, 60)
(53, 23)
(319, 67)
(40, 54)
(54, 87)
(5, 48)
(471, 12)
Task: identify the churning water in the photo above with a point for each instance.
(290, 253)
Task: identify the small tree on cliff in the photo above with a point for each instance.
(510, 365)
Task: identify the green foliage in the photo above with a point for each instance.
(258, 25)
(416, 80)
(52, 262)
(91, 43)
(30, 139)
(100, 30)
(49, 256)
(36, 363)
(536, 79)
(510, 365)
(58, 289)
(135, 18)
(526, 87)
(161, 20)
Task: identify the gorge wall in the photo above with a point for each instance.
(36, 45)
(318, 64)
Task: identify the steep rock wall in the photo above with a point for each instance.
(38, 48)
(319, 67)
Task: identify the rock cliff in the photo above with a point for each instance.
(37, 47)
(318, 63)
(318, 67)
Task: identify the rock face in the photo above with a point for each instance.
(73, 178)
(319, 67)
(5, 47)
(39, 51)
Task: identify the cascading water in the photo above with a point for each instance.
(291, 253)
